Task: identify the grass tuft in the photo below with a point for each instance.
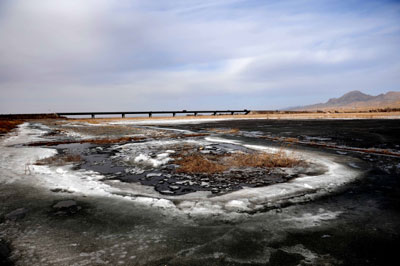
(212, 164)
(264, 160)
(199, 164)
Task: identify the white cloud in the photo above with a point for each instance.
(80, 54)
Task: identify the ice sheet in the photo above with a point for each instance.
(169, 121)
(14, 162)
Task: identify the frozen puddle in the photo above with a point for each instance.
(17, 165)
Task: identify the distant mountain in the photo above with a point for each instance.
(356, 100)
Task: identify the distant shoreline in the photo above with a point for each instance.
(383, 115)
(253, 115)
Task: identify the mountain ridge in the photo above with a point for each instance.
(356, 100)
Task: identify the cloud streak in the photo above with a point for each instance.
(70, 55)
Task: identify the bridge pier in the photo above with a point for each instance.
(232, 113)
(195, 113)
(123, 115)
(215, 113)
(173, 114)
(93, 116)
(150, 114)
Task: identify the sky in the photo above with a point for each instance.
(126, 55)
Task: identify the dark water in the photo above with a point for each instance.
(355, 133)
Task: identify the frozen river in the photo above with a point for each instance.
(123, 203)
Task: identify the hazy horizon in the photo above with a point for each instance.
(103, 55)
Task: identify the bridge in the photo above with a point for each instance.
(151, 113)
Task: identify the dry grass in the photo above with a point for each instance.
(225, 130)
(197, 163)
(212, 164)
(8, 125)
(92, 141)
(60, 160)
(264, 160)
(292, 140)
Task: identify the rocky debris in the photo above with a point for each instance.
(167, 192)
(281, 257)
(174, 187)
(169, 167)
(5, 252)
(16, 214)
(58, 190)
(215, 190)
(66, 208)
(153, 174)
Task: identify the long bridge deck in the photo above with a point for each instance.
(124, 113)
(150, 113)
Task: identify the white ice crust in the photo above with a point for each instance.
(17, 165)
(169, 121)
(161, 159)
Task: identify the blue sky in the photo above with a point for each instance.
(97, 55)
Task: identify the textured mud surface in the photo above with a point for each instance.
(125, 204)
(166, 180)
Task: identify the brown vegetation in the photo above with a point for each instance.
(225, 130)
(8, 125)
(92, 141)
(28, 116)
(197, 163)
(59, 160)
(211, 164)
(264, 160)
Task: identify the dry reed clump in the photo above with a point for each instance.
(264, 160)
(225, 130)
(60, 160)
(8, 125)
(199, 164)
(212, 164)
(294, 140)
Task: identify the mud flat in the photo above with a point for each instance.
(112, 192)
